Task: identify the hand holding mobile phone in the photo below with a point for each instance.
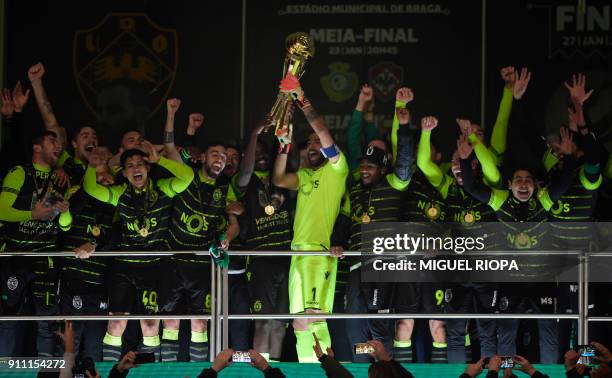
(586, 355)
(506, 362)
(241, 356)
(363, 348)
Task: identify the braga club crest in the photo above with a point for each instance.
(124, 68)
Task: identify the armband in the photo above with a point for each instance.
(331, 151)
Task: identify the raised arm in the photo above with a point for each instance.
(172, 106)
(183, 174)
(402, 97)
(487, 159)
(196, 120)
(108, 194)
(35, 74)
(281, 177)
(353, 130)
(15, 131)
(404, 166)
(590, 176)
(431, 170)
(13, 101)
(562, 180)
(500, 128)
(476, 188)
(102, 192)
(291, 85)
(369, 128)
(247, 166)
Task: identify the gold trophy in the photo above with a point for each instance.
(300, 47)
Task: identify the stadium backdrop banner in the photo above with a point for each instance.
(113, 63)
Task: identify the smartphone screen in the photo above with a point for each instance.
(506, 362)
(144, 358)
(586, 355)
(241, 356)
(363, 348)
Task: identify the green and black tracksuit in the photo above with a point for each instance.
(425, 214)
(467, 217)
(145, 219)
(373, 204)
(74, 167)
(30, 281)
(22, 188)
(266, 231)
(524, 227)
(572, 228)
(197, 218)
(83, 281)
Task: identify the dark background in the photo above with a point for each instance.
(443, 67)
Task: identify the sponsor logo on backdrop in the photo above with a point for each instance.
(386, 78)
(124, 53)
(576, 28)
(341, 83)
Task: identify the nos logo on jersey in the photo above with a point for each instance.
(560, 207)
(124, 68)
(12, 283)
(309, 186)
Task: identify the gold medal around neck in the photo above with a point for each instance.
(432, 212)
(143, 232)
(522, 239)
(468, 218)
(269, 209)
(365, 218)
(95, 231)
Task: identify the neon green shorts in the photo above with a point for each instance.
(312, 283)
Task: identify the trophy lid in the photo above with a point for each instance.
(300, 44)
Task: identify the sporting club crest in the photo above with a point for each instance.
(125, 56)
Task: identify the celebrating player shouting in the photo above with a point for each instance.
(144, 207)
(320, 188)
(198, 220)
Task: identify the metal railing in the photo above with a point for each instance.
(220, 316)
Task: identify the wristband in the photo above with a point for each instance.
(331, 151)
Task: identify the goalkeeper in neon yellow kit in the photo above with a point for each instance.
(312, 279)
